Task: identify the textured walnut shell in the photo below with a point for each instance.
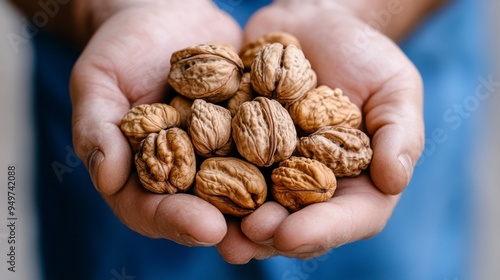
(144, 119)
(264, 132)
(166, 161)
(210, 129)
(183, 106)
(234, 186)
(299, 182)
(250, 49)
(323, 106)
(245, 93)
(207, 71)
(345, 150)
(282, 73)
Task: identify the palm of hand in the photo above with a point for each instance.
(126, 63)
(374, 73)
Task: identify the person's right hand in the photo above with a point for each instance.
(126, 63)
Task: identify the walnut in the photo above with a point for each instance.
(207, 71)
(250, 49)
(299, 182)
(244, 93)
(183, 106)
(166, 161)
(345, 150)
(282, 73)
(210, 129)
(144, 119)
(264, 132)
(234, 186)
(257, 117)
(324, 107)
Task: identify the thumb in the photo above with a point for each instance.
(394, 119)
(98, 106)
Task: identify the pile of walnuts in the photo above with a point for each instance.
(246, 124)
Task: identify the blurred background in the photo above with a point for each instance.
(479, 122)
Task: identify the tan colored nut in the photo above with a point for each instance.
(324, 107)
(250, 49)
(210, 129)
(166, 161)
(299, 182)
(208, 71)
(264, 132)
(183, 106)
(282, 73)
(144, 119)
(345, 150)
(245, 93)
(234, 186)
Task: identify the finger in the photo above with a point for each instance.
(98, 108)
(390, 95)
(236, 248)
(356, 212)
(394, 118)
(182, 218)
(263, 222)
(375, 74)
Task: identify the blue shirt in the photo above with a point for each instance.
(428, 236)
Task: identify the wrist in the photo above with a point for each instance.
(395, 18)
(91, 14)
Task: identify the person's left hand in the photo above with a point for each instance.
(387, 87)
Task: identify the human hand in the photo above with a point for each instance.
(126, 63)
(346, 53)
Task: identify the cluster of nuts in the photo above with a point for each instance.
(241, 122)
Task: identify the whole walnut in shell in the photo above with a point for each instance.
(282, 73)
(345, 150)
(323, 106)
(183, 106)
(250, 49)
(299, 182)
(210, 129)
(208, 71)
(234, 186)
(144, 119)
(264, 132)
(166, 161)
(245, 93)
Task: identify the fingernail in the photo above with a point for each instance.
(95, 159)
(407, 163)
(187, 239)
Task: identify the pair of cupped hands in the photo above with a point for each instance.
(126, 63)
